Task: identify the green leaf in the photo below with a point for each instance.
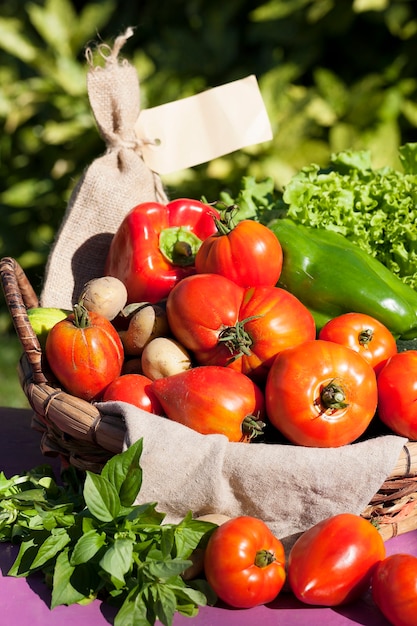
(54, 21)
(165, 603)
(124, 473)
(62, 590)
(87, 546)
(52, 545)
(133, 611)
(167, 569)
(101, 497)
(117, 560)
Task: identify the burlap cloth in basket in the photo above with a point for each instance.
(290, 487)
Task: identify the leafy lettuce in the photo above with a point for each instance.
(377, 209)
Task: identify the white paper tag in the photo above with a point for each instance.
(203, 127)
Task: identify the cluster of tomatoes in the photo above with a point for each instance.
(334, 563)
(249, 355)
(255, 357)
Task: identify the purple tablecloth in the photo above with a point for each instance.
(25, 602)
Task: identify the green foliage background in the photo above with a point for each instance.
(334, 74)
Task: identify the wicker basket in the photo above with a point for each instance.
(77, 432)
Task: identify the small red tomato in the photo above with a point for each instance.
(397, 394)
(247, 253)
(364, 334)
(85, 353)
(134, 389)
(321, 394)
(213, 400)
(332, 563)
(245, 563)
(394, 589)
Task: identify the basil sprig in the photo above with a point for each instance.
(90, 540)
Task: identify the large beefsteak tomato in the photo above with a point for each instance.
(321, 394)
(213, 400)
(332, 563)
(397, 394)
(85, 353)
(245, 563)
(224, 324)
(394, 588)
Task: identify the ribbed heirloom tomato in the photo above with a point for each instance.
(224, 324)
(321, 394)
(85, 353)
(332, 563)
(245, 563)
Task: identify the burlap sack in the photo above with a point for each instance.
(112, 185)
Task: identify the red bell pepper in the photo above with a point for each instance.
(155, 246)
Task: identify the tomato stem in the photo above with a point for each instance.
(81, 316)
(237, 339)
(333, 397)
(365, 336)
(226, 222)
(252, 427)
(264, 558)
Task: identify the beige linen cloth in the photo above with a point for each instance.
(289, 487)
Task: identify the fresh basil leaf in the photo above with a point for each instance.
(124, 473)
(101, 497)
(117, 559)
(87, 546)
(52, 545)
(134, 611)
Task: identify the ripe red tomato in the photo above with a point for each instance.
(394, 589)
(364, 334)
(397, 394)
(85, 353)
(248, 253)
(321, 394)
(245, 563)
(223, 324)
(332, 562)
(213, 399)
(134, 389)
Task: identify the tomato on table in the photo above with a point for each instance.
(397, 394)
(134, 389)
(245, 563)
(85, 353)
(364, 334)
(332, 563)
(394, 589)
(321, 394)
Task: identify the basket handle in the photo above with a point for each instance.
(20, 296)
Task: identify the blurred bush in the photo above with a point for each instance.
(334, 74)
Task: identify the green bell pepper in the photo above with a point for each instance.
(331, 276)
